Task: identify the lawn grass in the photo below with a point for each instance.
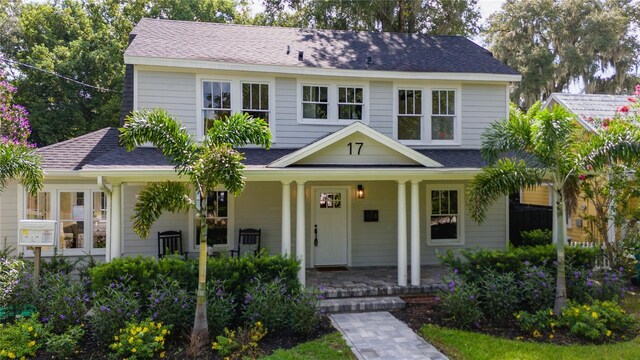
(465, 345)
(328, 347)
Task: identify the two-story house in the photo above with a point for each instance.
(376, 136)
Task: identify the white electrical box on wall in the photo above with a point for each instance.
(36, 232)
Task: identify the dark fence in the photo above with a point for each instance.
(527, 217)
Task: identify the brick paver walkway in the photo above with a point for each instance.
(379, 335)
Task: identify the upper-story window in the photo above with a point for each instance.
(427, 115)
(443, 114)
(350, 103)
(315, 102)
(255, 100)
(223, 97)
(332, 103)
(216, 101)
(409, 114)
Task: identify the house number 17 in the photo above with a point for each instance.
(353, 146)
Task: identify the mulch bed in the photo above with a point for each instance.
(422, 309)
(273, 341)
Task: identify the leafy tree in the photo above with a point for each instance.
(555, 42)
(83, 41)
(204, 165)
(443, 17)
(17, 157)
(540, 146)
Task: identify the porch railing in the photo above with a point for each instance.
(602, 260)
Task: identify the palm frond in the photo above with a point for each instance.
(156, 198)
(620, 142)
(552, 133)
(508, 136)
(162, 130)
(504, 177)
(238, 130)
(19, 161)
(220, 165)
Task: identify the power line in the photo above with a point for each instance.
(59, 75)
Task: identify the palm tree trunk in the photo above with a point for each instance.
(561, 280)
(200, 325)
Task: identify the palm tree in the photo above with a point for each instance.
(527, 150)
(20, 161)
(215, 161)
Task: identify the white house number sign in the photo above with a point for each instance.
(355, 148)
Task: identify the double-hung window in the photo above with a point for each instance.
(81, 216)
(255, 100)
(216, 101)
(315, 102)
(445, 215)
(218, 219)
(443, 114)
(409, 114)
(350, 103)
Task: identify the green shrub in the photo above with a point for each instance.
(58, 264)
(536, 237)
(539, 323)
(598, 321)
(22, 338)
(17, 294)
(241, 343)
(458, 302)
(474, 263)
(140, 340)
(61, 302)
(538, 286)
(220, 307)
(141, 273)
(237, 274)
(499, 295)
(64, 345)
(116, 306)
(304, 314)
(267, 301)
(170, 304)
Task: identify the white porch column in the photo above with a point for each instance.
(402, 233)
(415, 233)
(300, 231)
(116, 224)
(286, 218)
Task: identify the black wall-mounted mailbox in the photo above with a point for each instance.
(371, 215)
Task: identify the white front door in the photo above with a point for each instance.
(329, 234)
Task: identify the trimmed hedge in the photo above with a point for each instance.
(480, 261)
(235, 274)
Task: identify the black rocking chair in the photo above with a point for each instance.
(248, 240)
(170, 242)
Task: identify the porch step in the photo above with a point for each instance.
(376, 290)
(379, 303)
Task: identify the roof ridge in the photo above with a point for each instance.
(55, 145)
(384, 33)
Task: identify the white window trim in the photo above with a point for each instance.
(236, 98)
(230, 225)
(332, 97)
(55, 197)
(461, 215)
(427, 112)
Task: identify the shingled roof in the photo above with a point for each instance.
(349, 50)
(589, 106)
(74, 153)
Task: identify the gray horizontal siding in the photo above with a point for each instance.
(175, 92)
(9, 217)
(381, 107)
(481, 105)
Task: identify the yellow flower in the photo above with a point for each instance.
(11, 355)
(32, 343)
(608, 332)
(116, 338)
(30, 328)
(159, 325)
(130, 340)
(552, 324)
(550, 312)
(158, 338)
(550, 336)
(145, 329)
(3, 352)
(165, 331)
(162, 354)
(133, 350)
(536, 333)
(594, 315)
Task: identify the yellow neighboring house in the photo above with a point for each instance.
(585, 107)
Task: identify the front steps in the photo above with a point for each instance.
(369, 298)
